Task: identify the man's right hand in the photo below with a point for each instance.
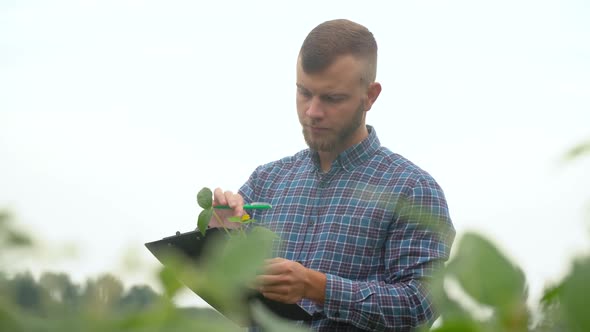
(234, 201)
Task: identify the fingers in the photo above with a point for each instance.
(283, 280)
(279, 265)
(234, 201)
(280, 288)
(280, 271)
(280, 294)
(219, 197)
(275, 260)
(276, 266)
(274, 288)
(269, 280)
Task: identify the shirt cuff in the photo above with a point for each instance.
(340, 298)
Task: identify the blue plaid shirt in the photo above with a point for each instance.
(375, 224)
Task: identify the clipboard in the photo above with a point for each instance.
(191, 244)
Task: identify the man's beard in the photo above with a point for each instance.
(334, 141)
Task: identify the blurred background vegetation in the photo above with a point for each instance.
(53, 302)
(480, 290)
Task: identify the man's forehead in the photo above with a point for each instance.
(348, 61)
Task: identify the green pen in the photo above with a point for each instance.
(252, 206)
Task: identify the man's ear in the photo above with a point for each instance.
(373, 92)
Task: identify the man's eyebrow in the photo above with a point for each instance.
(302, 89)
(329, 93)
(338, 95)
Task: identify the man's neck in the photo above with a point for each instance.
(326, 160)
(328, 157)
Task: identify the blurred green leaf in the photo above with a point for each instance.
(488, 276)
(166, 317)
(204, 219)
(449, 309)
(205, 198)
(5, 216)
(169, 280)
(230, 265)
(235, 219)
(17, 239)
(578, 151)
(227, 265)
(552, 294)
(459, 326)
(8, 321)
(10, 237)
(575, 296)
(240, 220)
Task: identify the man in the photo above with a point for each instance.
(362, 228)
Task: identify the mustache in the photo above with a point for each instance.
(309, 123)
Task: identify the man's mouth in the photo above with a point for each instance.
(317, 130)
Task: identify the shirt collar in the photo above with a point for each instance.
(356, 154)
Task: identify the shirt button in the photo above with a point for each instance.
(317, 315)
(337, 314)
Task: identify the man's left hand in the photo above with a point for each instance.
(283, 280)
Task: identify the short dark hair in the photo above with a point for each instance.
(335, 38)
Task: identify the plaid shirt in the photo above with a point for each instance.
(375, 224)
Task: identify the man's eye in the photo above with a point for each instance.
(305, 94)
(333, 99)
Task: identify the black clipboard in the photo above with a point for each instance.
(191, 244)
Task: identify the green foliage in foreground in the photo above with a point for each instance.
(54, 303)
(479, 290)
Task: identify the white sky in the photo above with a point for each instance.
(113, 114)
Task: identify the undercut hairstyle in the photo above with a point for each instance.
(335, 38)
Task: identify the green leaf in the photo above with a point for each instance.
(204, 218)
(205, 198)
(575, 295)
(169, 281)
(577, 151)
(458, 326)
(242, 256)
(235, 219)
(239, 220)
(17, 239)
(487, 275)
(449, 309)
(229, 264)
(8, 319)
(552, 294)
(264, 232)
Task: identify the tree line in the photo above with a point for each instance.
(55, 293)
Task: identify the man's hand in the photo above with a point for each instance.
(234, 201)
(288, 282)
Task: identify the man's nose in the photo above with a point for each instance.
(315, 108)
